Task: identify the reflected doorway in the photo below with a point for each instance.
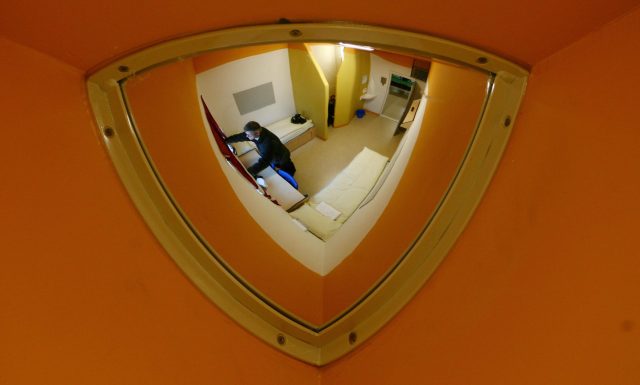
(399, 95)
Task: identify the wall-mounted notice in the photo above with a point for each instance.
(255, 98)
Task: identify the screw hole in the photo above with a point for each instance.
(281, 339)
(353, 337)
(507, 121)
(123, 69)
(108, 132)
(482, 60)
(295, 33)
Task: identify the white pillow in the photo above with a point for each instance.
(315, 222)
(327, 210)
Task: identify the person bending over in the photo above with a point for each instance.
(272, 152)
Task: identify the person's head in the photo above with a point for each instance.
(252, 130)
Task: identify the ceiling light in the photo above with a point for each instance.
(362, 47)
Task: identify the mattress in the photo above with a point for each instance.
(332, 206)
(349, 188)
(284, 129)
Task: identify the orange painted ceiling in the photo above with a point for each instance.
(86, 34)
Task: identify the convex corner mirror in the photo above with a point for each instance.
(403, 133)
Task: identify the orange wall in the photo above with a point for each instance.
(87, 295)
(543, 287)
(402, 60)
(87, 34)
(213, 59)
(165, 107)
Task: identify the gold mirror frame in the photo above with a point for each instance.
(323, 345)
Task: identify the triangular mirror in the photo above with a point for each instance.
(314, 224)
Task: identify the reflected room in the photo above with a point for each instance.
(376, 138)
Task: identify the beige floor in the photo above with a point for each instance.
(319, 161)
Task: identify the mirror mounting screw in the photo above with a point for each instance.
(353, 337)
(108, 132)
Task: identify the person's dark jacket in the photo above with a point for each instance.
(272, 151)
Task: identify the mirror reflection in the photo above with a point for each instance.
(308, 169)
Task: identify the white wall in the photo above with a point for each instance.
(382, 68)
(218, 85)
(328, 58)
